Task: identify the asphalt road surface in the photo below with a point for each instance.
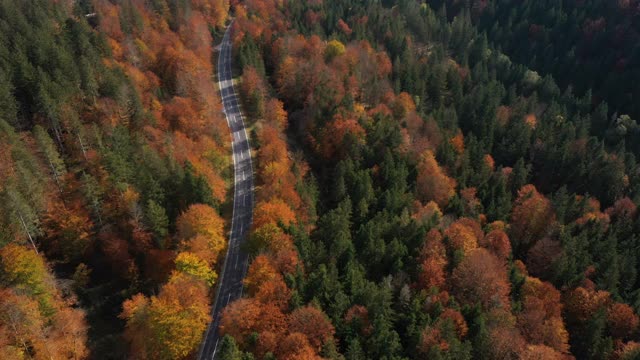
(235, 264)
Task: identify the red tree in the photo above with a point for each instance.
(431, 274)
(260, 271)
(530, 219)
(498, 242)
(456, 318)
(541, 320)
(313, 323)
(275, 292)
(622, 320)
(245, 316)
(481, 278)
(296, 347)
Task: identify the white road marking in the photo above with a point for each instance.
(231, 109)
(215, 349)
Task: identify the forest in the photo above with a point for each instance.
(435, 180)
(114, 172)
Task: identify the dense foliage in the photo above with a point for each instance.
(460, 203)
(441, 180)
(113, 157)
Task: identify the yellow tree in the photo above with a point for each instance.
(170, 325)
(270, 238)
(461, 237)
(24, 270)
(200, 219)
(20, 322)
(191, 264)
(333, 49)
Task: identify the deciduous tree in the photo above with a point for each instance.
(191, 264)
(296, 347)
(456, 319)
(275, 292)
(481, 279)
(245, 316)
(333, 49)
(622, 320)
(68, 231)
(461, 237)
(530, 219)
(541, 352)
(432, 182)
(431, 274)
(169, 326)
(431, 337)
(270, 238)
(540, 321)
(582, 303)
(313, 323)
(200, 219)
(26, 272)
(275, 114)
(498, 242)
(260, 271)
(273, 211)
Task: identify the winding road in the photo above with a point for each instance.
(235, 264)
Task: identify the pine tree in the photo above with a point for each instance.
(157, 220)
(48, 148)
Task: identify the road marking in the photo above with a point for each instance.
(236, 266)
(235, 120)
(215, 349)
(221, 86)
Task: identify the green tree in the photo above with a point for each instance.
(53, 159)
(229, 349)
(8, 105)
(157, 220)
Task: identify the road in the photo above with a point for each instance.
(236, 260)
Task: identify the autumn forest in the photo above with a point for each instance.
(433, 180)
